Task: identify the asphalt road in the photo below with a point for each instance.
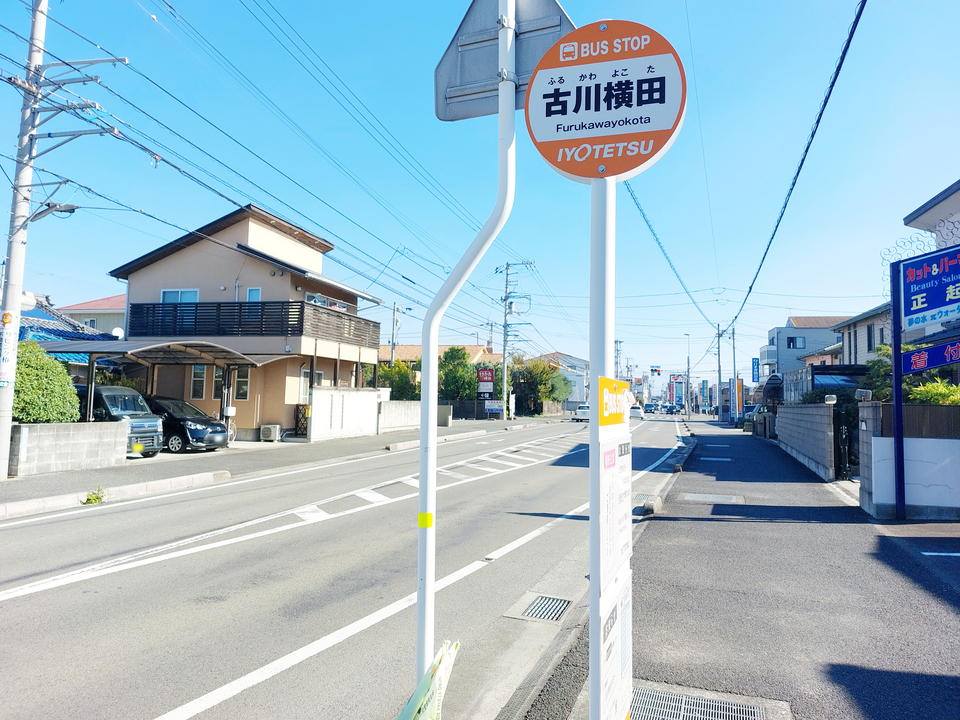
(289, 592)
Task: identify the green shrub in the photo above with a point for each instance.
(43, 392)
(938, 392)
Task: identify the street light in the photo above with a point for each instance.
(686, 398)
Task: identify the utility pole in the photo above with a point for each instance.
(617, 345)
(36, 90)
(719, 375)
(686, 395)
(508, 300)
(735, 395)
(393, 334)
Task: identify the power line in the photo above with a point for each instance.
(806, 149)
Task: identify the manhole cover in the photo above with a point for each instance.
(650, 704)
(547, 608)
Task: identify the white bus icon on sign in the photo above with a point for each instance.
(568, 51)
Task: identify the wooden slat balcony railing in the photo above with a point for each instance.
(251, 320)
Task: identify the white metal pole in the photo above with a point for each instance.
(603, 223)
(506, 339)
(17, 242)
(506, 150)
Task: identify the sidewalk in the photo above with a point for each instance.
(761, 591)
(140, 476)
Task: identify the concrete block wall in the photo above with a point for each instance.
(870, 428)
(806, 433)
(58, 447)
(399, 415)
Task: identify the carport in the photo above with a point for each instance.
(152, 355)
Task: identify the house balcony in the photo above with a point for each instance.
(251, 319)
(768, 355)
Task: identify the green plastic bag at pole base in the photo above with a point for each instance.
(425, 702)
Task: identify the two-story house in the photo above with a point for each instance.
(251, 282)
(788, 344)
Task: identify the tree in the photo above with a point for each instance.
(43, 392)
(938, 392)
(535, 382)
(399, 379)
(458, 378)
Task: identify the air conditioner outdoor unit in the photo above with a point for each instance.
(270, 432)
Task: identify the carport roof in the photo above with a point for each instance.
(184, 352)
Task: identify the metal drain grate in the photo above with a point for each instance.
(547, 608)
(643, 497)
(651, 704)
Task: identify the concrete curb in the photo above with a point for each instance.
(72, 501)
(407, 444)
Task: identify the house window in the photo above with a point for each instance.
(242, 389)
(881, 335)
(870, 344)
(796, 343)
(217, 383)
(91, 323)
(253, 294)
(198, 380)
(179, 296)
(304, 386)
(850, 346)
(318, 378)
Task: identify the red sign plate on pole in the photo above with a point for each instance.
(606, 100)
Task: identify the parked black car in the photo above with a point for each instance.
(186, 426)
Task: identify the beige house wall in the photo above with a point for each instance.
(106, 320)
(262, 237)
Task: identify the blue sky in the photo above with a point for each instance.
(756, 75)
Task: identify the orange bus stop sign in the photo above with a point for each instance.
(607, 100)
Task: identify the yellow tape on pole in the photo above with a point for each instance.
(425, 520)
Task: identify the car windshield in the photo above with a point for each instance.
(181, 409)
(126, 403)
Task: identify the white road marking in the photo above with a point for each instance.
(845, 497)
(412, 482)
(708, 445)
(450, 473)
(371, 496)
(311, 513)
(481, 467)
(503, 462)
(940, 554)
(713, 459)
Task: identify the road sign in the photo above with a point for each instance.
(484, 383)
(607, 100)
(915, 361)
(931, 288)
(613, 403)
(755, 369)
(468, 74)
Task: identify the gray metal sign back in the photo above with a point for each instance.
(466, 78)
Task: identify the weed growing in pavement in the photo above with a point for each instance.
(95, 497)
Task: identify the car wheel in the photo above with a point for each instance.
(177, 443)
(149, 453)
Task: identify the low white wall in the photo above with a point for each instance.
(931, 478)
(342, 412)
(399, 415)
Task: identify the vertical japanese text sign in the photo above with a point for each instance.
(607, 100)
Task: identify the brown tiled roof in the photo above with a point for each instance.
(410, 353)
(114, 302)
(815, 321)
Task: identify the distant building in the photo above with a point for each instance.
(103, 315)
(413, 353)
(787, 345)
